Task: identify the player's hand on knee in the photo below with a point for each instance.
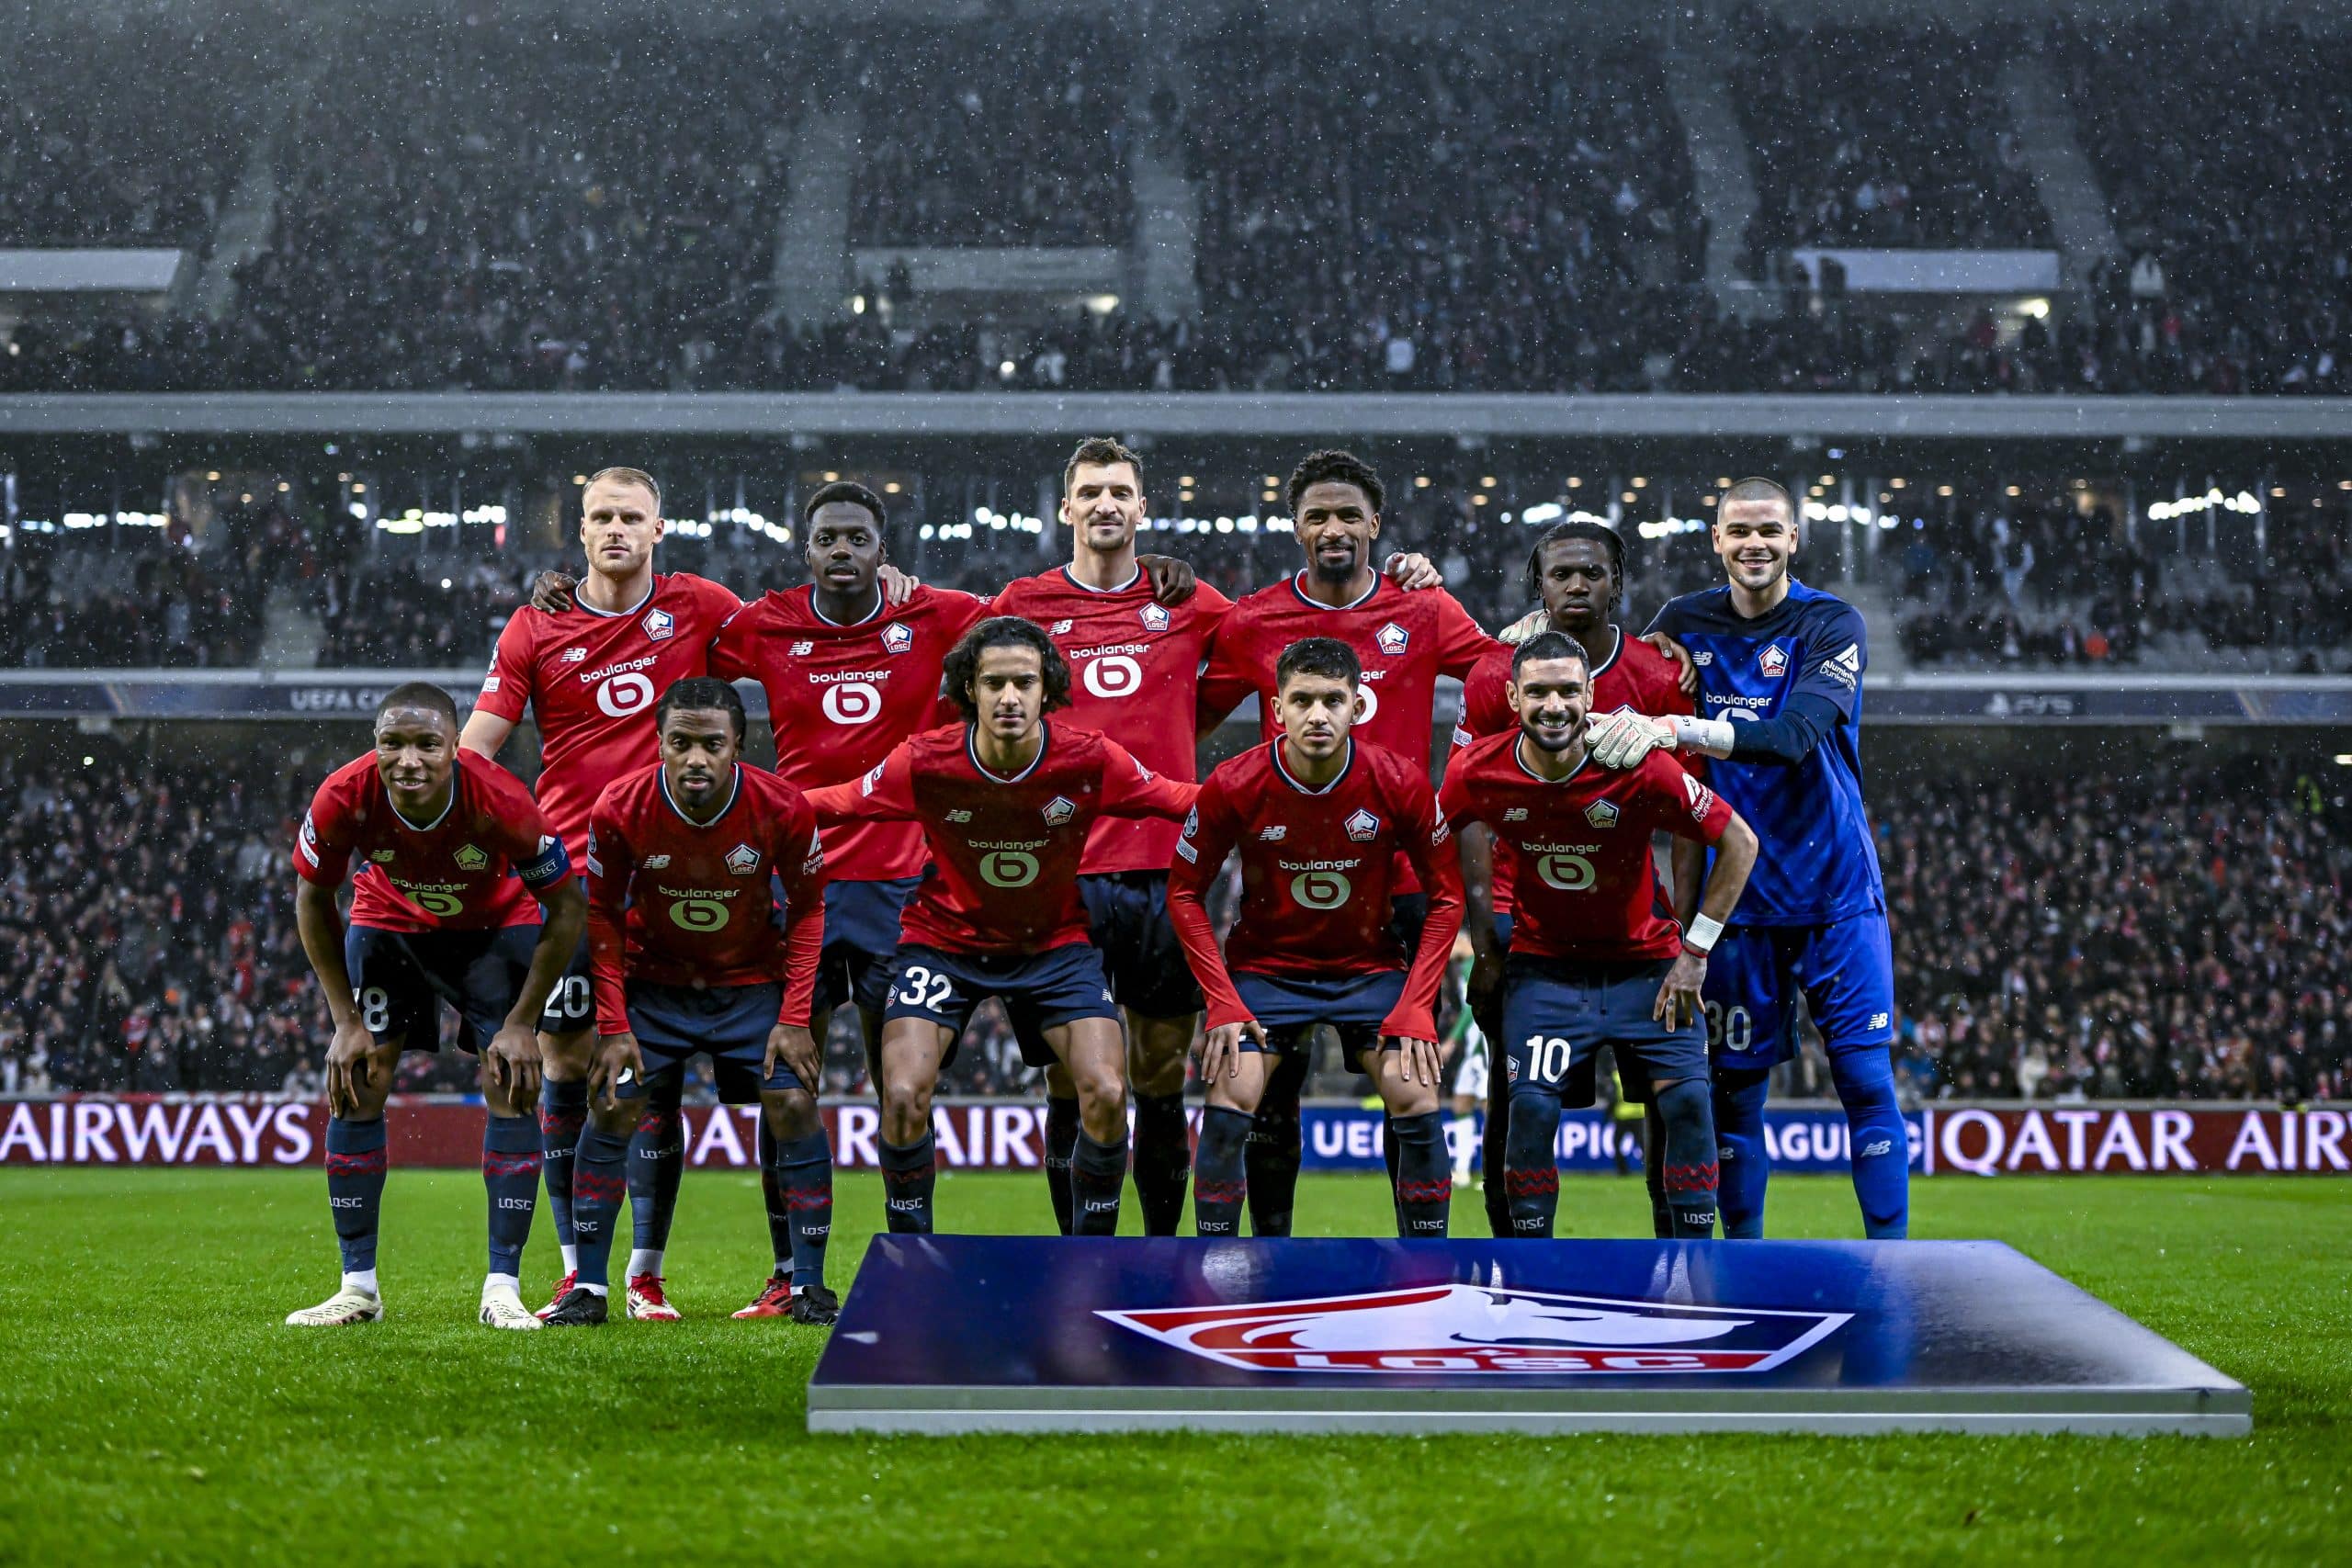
(1420, 1061)
(1621, 740)
(615, 1061)
(1686, 673)
(795, 1047)
(1412, 571)
(1222, 1049)
(1172, 580)
(1677, 997)
(514, 1062)
(349, 1057)
(897, 586)
(551, 590)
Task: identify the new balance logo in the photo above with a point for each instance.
(1877, 1146)
(959, 815)
(657, 862)
(1275, 834)
(572, 655)
(802, 649)
(1059, 628)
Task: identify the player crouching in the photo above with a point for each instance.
(1006, 800)
(451, 854)
(685, 860)
(1319, 819)
(1594, 959)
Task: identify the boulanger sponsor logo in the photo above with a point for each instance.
(1568, 867)
(1475, 1330)
(1320, 883)
(1112, 675)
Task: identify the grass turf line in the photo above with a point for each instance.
(152, 1406)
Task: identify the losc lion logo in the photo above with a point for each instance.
(660, 625)
(1154, 617)
(1486, 1331)
(896, 639)
(1773, 660)
(1363, 827)
(1602, 814)
(1058, 812)
(1393, 640)
(469, 858)
(742, 860)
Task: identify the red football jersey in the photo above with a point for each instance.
(841, 695)
(1004, 852)
(1315, 875)
(590, 679)
(475, 867)
(682, 903)
(1634, 676)
(1135, 676)
(1588, 885)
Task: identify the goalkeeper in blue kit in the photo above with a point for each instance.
(1780, 667)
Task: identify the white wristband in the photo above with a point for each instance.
(1708, 737)
(1704, 933)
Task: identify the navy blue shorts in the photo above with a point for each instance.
(1580, 1089)
(399, 978)
(571, 1006)
(1288, 1008)
(861, 941)
(727, 1023)
(1040, 991)
(1556, 1013)
(1844, 972)
(1126, 912)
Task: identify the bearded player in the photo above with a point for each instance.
(1005, 801)
(1781, 676)
(1577, 569)
(1405, 640)
(455, 864)
(1320, 822)
(1594, 959)
(694, 953)
(587, 672)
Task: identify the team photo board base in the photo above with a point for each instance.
(1042, 1334)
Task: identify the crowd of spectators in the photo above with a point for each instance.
(1879, 136)
(1399, 215)
(2165, 927)
(998, 134)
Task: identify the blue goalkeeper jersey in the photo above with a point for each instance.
(1817, 863)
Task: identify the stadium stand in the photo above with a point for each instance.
(1879, 136)
(1001, 134)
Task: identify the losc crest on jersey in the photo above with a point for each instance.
(742, 860)
(1154, 617)
(1393, 640)
(660, 625)
(1058, 811)
(1363, 827)
(897, 638)
(1602, 814)
(1774, 660)
(1479, 1330)
(469, 858)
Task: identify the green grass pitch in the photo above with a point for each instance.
(151, 1407)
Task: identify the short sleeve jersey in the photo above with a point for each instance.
(475, 867)
(1135, 676)
(1817, 863)
(841, 694)
(591, 678)
(682, 903)
(1004, 852)
(1587, 885)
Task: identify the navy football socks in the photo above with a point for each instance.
(1531, 1169)
(355, 1165)
(1880, 1146)
(1743, 1169)
(1276, 1143)
(804, 1170)
(779, 1207)
(1164, 1161)
(1424, 1176)
(1097, 1175)
(563, 1110)
(510, 1171)
(599, 1182)
(1654, 1171)
(909, 1177)
(1061, 1147)
(657, 1163)
(1687, 1173)
(1220, 1178)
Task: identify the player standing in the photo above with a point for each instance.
(1594, 960)
(1781, 676)
(451, 856)
(1320, 822)
(1405, 640)
(1005, 802)
(1577, 569)
(588, 672)
(689, 958)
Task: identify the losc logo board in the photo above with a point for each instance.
(1483, 1331)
